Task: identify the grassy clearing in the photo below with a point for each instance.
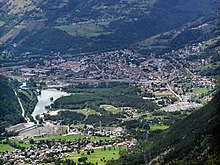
(88, 30)
(20, 27)
(100, 156)
(6, 147)
(111, 108)
(22, 143)
(2, 23)
(86, 111)
(154, 127)
(199, 90)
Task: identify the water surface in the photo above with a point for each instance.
(44, 100)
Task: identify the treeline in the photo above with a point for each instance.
(119, 96)
(106, 119)
(10, 110)
(66, 117)
(91, 97)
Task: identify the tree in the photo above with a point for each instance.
(83, 159)
(31, 141)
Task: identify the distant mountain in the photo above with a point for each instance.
(194, 140)
(10, 110)
(87, 26)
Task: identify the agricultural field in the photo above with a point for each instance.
(101, 156)
(6, 147)
(111, 108)
(199, 93)
(9, 34)
(199, 90)
(154, 127)
(18, 6)
(86, 111)
(14, 144)
(88, 30)
(22, 143)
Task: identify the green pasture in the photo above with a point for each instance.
(88, 30)
(154, 127)
(6, 147)
(111, 108)
(101, 156)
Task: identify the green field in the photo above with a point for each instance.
(154, 127)
(22, 143)
(6, 147)
(111, 108)
(88, 30)
(86, 111)
(105, 155)
(2, 23)
(200, 90)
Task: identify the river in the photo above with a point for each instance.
(44, 100)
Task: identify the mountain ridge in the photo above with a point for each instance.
(125, 23)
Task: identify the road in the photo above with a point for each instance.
(172, 91)
(22, 108)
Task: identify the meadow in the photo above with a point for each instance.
(100, 156)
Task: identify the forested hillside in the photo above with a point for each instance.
(10, 110)
(92, 26)
(194, 139)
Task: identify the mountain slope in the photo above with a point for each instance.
(90, 25)
(194, 31)
(10, 110)
(193, 140)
